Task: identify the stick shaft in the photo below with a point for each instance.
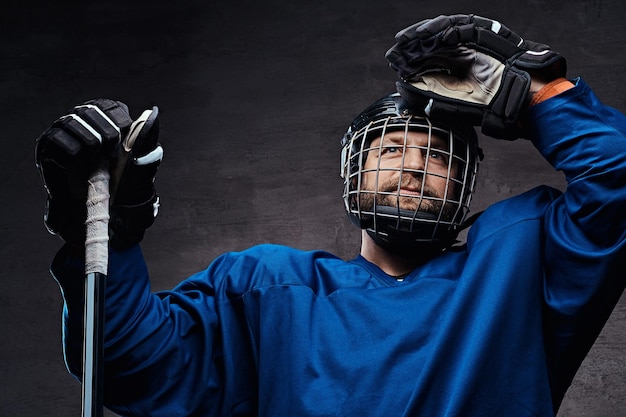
(96, 264)
(93, 345)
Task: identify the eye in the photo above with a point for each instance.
(390, 150)
(435, 154)
(440, 156)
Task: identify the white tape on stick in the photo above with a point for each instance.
(97, 223)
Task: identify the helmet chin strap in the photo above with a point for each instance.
(408, 249)
(403, 242)
(402, 220)
(397, 231)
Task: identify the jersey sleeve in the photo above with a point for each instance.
(164, 351)
(585, 228)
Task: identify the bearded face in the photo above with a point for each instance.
(410, 171)
(408, 181)
(426, 200)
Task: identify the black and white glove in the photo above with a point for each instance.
(75, 145)
(134, 201)
(471, 69)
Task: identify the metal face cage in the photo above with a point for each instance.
(407, 181)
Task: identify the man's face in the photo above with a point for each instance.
(410, 172)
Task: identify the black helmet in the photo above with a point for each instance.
(400, 216)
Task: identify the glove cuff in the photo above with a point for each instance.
(129, 222)
(551, 89)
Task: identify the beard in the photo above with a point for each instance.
(430, 201)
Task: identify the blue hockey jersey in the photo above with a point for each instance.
(497, 327)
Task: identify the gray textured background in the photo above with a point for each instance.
(254, 97)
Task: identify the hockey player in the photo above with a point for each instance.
(417, 324)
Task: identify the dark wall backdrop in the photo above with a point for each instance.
(254, 97)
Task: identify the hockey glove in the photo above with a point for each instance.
(134, 201)
(471, 69)
(69, 151)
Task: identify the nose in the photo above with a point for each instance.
(413, 159)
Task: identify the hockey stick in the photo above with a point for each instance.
(101, 186)
(96, 263)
